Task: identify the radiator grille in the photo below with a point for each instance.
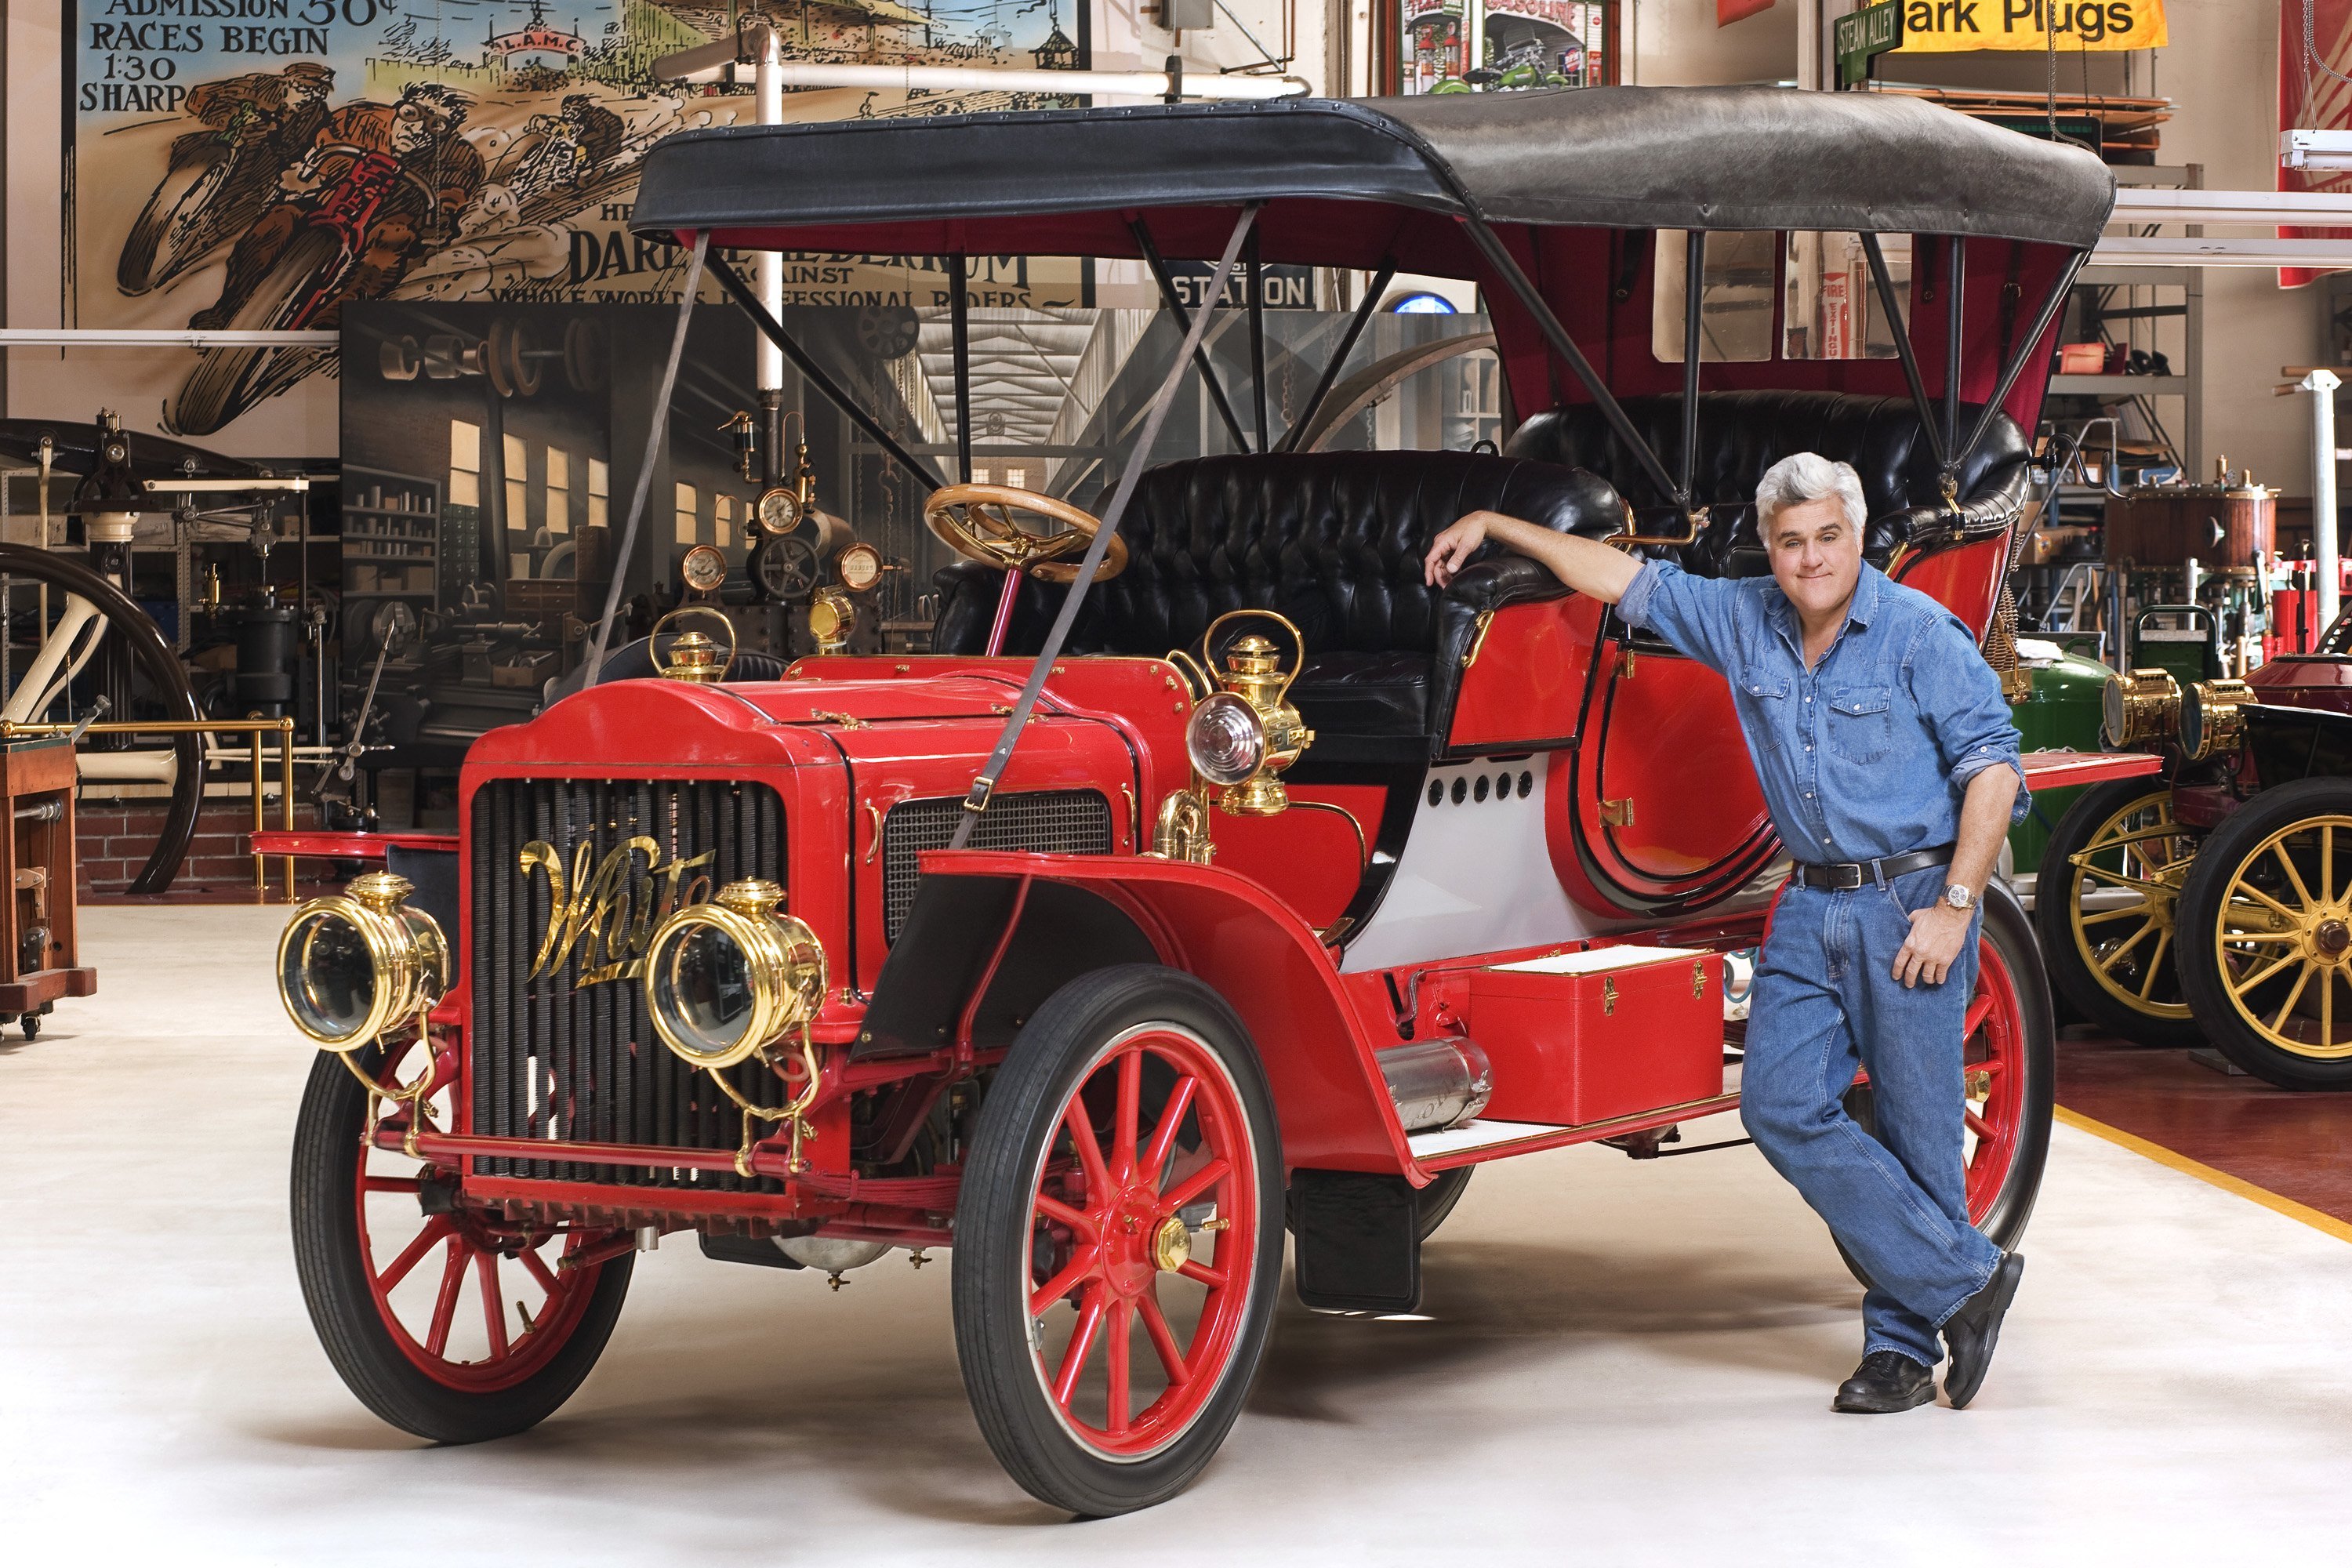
(1049, 822)
(556, 1059)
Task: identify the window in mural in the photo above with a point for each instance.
(1493, 46)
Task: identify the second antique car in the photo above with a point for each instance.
(1216, 877)
(2209, 904)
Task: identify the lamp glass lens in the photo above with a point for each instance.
(702, 989)
(330, 980)
(2111, 710)
(1226, 741)
(2192, 722)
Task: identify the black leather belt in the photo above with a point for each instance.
(1863, 873)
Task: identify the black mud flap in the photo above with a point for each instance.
(757, 1250)
(1359, 1241)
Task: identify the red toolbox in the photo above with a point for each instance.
(1589, 1036)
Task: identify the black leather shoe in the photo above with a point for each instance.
(1885, 1382)
(1971, 1332)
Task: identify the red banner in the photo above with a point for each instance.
(1726, 12)
(2310, 98)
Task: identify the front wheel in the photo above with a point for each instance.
(2266, 935)
(448, 1321)
(1118, 1244)
(2106, 900)
(2007, 1076)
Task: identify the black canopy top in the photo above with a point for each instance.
(1616, 157)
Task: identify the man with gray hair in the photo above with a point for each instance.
(1890, 769)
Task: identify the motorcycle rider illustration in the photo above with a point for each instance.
(392, 178)
(576, 144)
(220, 178)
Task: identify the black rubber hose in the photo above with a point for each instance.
(156, 660)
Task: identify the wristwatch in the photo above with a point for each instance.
(1959, 898)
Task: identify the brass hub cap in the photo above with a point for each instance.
(1172, 1249)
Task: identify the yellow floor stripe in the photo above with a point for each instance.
(2204, 1172)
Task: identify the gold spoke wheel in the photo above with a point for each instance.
(2283, 937)
(2107, 900)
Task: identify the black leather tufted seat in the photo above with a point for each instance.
(1335, 541)
(1741, 434)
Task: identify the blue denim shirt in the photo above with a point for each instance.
(1868, 752)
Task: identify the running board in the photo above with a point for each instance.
(1473, 1143)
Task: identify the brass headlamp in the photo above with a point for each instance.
(2140, 707)
(2212, 718)
(728, 979)
(352, 965)
(1242, 736)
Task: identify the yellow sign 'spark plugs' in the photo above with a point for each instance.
(1948, 26)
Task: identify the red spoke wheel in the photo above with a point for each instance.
(1118, 1241)
(447, 1321)
(2008, 1062)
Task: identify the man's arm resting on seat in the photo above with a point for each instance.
(1586, 565)
(1938, 930)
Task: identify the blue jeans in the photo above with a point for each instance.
(1826, 1001)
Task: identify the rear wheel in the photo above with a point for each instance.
(172, 231)
(2268, 919)
(228, 381)
(1435, 1202)
(1118, 1247)
(2106, 901)
(447, 1321)
(2009, 1072)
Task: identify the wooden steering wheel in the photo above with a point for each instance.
(976, 522)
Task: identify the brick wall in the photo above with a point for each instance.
(115, 837)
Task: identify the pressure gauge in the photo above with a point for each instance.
(859, 567)
(784, 568)
(703, 568)
(780, 510)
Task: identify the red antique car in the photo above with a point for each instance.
(1220, 880)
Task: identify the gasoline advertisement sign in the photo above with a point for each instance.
(256, 164)
(1945, 26)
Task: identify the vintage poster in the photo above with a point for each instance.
(257, 164)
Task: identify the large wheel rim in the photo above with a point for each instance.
(2283, 936)
(2123, 897)
(449, 1281)
(1113, 1228)
(1993, 1067)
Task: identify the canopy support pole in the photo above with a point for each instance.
(1955, 279)
(1885, 283)
(1339, 360)
(1523, 289)
(656, 428)
(2059, 289)
(1255, 282)
(1168, 296)
(739, 292)
(1694, 299)
(959, 323)
(975, 800)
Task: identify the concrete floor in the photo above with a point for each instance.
(1622, 1362)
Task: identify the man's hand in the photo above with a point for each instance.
(1451, 548)
(1936, 933)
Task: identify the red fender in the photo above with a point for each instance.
(1328, 1095)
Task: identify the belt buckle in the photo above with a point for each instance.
(1846, 877)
